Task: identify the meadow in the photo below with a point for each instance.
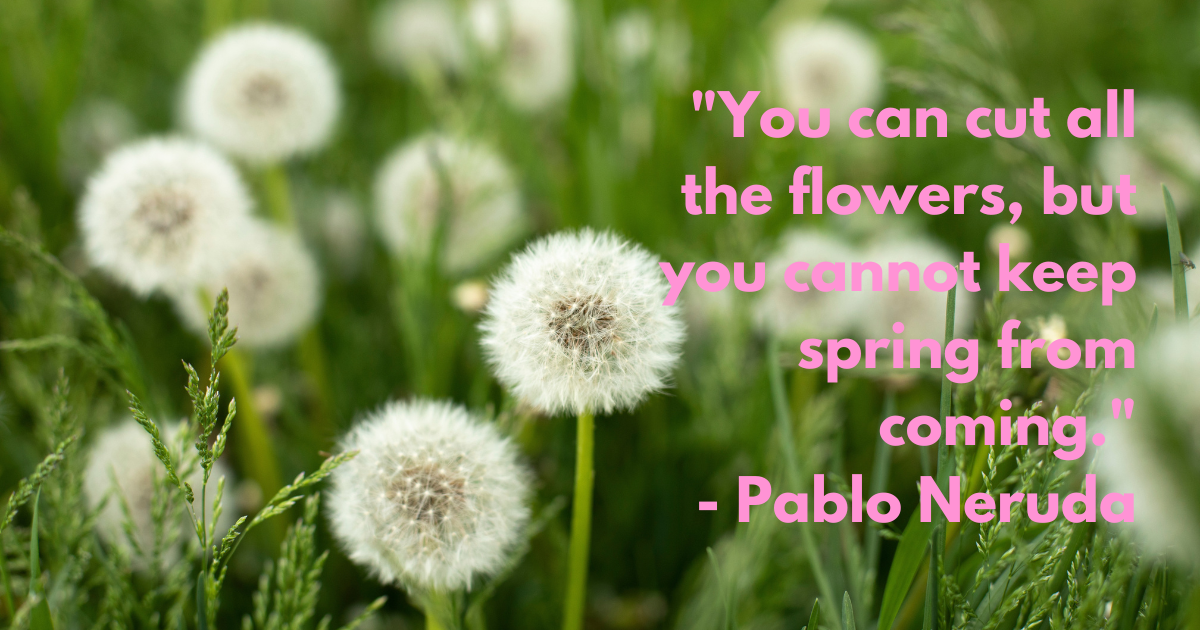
(318, 313)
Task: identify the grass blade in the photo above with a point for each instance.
(1175, 244)
(905, 565)
(847, 612)
(815, 616)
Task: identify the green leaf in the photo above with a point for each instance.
(1175, 244)
(847, 612)
(909, 555)
(815, 616)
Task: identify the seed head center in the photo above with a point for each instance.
(428, 493)
(164, 210)
(264, 93)
(584, 323)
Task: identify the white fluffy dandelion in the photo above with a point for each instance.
(826, 64)
(158, 213)
(790, 314)
(484, 214)
(576, 323)
(121, 472)
(1165, 150)
(274, 288)
(923, 312)
(262, 93)
(344, 229)
(632, 37)
(1156, 455)
(418, 36)
(535, 42)
(435, 499)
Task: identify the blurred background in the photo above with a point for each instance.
(588, 107)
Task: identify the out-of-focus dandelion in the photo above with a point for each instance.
(576, 322)
(122, 472)
(535, 41)
(274, 288)
(263, 93)
(435, 499)
(1051, 329)
(1017, 238)
(89, 133)
(632, 37)
(344, 230)
(419, 37)
(159, 212)
(923, 312)
(1155, 455)
(1166, 150)
(826, 64)
(471, 296)
(789, 314)
(480, 216)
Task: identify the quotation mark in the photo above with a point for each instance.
(709, 96)
(1117, 404)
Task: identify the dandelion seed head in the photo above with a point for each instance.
(576, 322)
(790, 314)
(436, 498)
(483, 210)
(1155, 455)
(1166, 147)
(158, 211)
(417, 36)
(122, 468)
(535, 41)
(826, 64)
(263, 93)
(273, 283)
(632, 35)
(470, 296)
(1016, 237)
(344, 229)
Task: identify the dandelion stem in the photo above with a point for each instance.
(312, 359)
(278, 194)
(581, 523)
(254, 449)
(431, 622)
